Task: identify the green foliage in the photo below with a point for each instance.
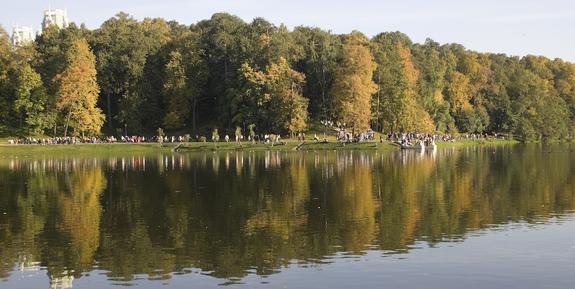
(31, 103)
(471, 120)
(320, 50)
(52, 48)
(6, 88)
(175, 89)
(395, 104)
(183, 81)
(538, 113)
(222, 36)
(224, 72)
(123, 46)
(353, 85)
(78, 91)
(273, 98)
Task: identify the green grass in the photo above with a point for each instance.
(4, 140)
(290, 145)
(7, 151)
(465, 143)
(21, 151)
(223, 146)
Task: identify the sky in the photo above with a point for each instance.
(514, 27)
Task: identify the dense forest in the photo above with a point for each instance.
(133, 77)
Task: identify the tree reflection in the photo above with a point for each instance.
(232, 214)
(54, 218)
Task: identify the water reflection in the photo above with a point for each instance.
(236, 213)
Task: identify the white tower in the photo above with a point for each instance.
(22, 35)
(56, 17)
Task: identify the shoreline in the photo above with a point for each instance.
(8, 150)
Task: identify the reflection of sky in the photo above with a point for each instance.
(515, 27)
(493, 256)
(511, 256)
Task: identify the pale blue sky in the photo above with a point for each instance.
(516, 27)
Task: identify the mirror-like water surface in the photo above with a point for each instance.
(481, 217)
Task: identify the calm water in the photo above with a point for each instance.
(459, 218)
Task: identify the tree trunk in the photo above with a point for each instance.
(323, 102)
(66, 126)
(109, 112)
(194, 112)
(380, 124)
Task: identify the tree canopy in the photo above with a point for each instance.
(224, 72)
(353, 85)
(78, 91)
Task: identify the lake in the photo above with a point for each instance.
(473, 217)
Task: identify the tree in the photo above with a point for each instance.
(459, 93)
(320, 51)
(78, 91)
(221, 36)
(223, 72)
(353, 85)
(123, 46)
(472, 120)
(184, 80)
(31, 103)
(537, 112)
(431, 84)
(396, 107)
(51, 49)
(175, 89)
(274, 97)
(6, 86)
(497, 101)
(564, 85)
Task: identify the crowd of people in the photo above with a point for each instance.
(263, 138)
(341, 135)
(82, 140)
(412, 136)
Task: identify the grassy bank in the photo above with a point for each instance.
(81, 150)
(126, 149)
(289, 146)
(467, 143)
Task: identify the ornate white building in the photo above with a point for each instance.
(22, 35)
(56, 17)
